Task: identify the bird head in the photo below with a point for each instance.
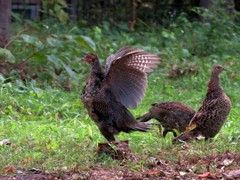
(217, 69)
(91, 58)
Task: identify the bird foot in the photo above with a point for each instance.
(187, 135)
(116, 149)
(182, 138)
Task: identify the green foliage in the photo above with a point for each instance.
(55, 8)
(58, 56)
(55, 55)
(6, 55)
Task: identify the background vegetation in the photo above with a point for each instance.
(43, 73)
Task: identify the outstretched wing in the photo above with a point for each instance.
(126, 76)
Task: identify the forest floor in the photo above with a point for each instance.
(158, 169)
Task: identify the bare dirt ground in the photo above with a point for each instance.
(219, 166)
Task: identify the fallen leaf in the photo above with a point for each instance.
(19, 172)
(204, 175)
(232, 174)
(76, 176)
(155, 172)
(227, 162)
(9, 169)
(182, 173)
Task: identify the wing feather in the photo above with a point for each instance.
(125, 73)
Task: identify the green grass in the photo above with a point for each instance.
(51, 130)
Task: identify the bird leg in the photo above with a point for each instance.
(108, 132)
(160, 129)
(184, 136)
(190, 128)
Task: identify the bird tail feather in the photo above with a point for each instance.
(143, 126)
(146, 117)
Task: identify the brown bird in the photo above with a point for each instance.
(121, 85)
(213, 112)
(171, 115)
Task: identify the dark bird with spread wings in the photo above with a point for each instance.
(213, 112)
(121, 85)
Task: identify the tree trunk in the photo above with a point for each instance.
(5, 18)
(73, 10)
(133, 20)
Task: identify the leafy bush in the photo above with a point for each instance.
(48, 57)
(52, 53)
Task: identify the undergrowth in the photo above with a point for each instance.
(51, 130)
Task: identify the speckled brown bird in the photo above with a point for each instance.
(108, 93)
(171, 115)
(213, 112)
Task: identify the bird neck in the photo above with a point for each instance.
(97, 68)
(214, 83)
(97, 73)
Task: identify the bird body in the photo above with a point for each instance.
(171, 115)
(110, 91)
(214, 110)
